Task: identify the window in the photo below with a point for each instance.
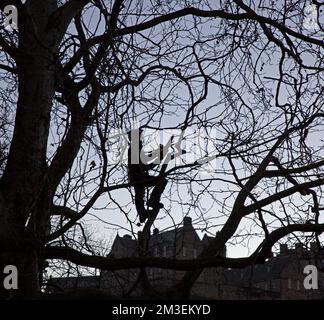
(156, 252)
(184, 251)
(289, 283)
(164, 251)
(195, 253)
(298, 284)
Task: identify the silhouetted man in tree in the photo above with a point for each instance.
(139, 164)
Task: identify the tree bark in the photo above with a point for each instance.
(24, 178)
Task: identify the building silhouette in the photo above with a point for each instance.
(281, 277)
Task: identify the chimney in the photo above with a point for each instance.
(155, 231)
(283, 248)
(187, 221)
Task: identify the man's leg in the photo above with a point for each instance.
(154, 201)
(139, 203)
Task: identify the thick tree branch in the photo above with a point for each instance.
(7, 68)
(283, 194)
(10, 50)
(64, 211)
(262, 253)
(62, 17)
(67, 152)
(277, 173)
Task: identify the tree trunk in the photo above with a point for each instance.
(21, 187)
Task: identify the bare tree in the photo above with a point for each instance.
(78, 72)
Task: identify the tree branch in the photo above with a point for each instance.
(63, 16)
(105, 263)
(7, 68)
(64, 211)
(283, 194)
